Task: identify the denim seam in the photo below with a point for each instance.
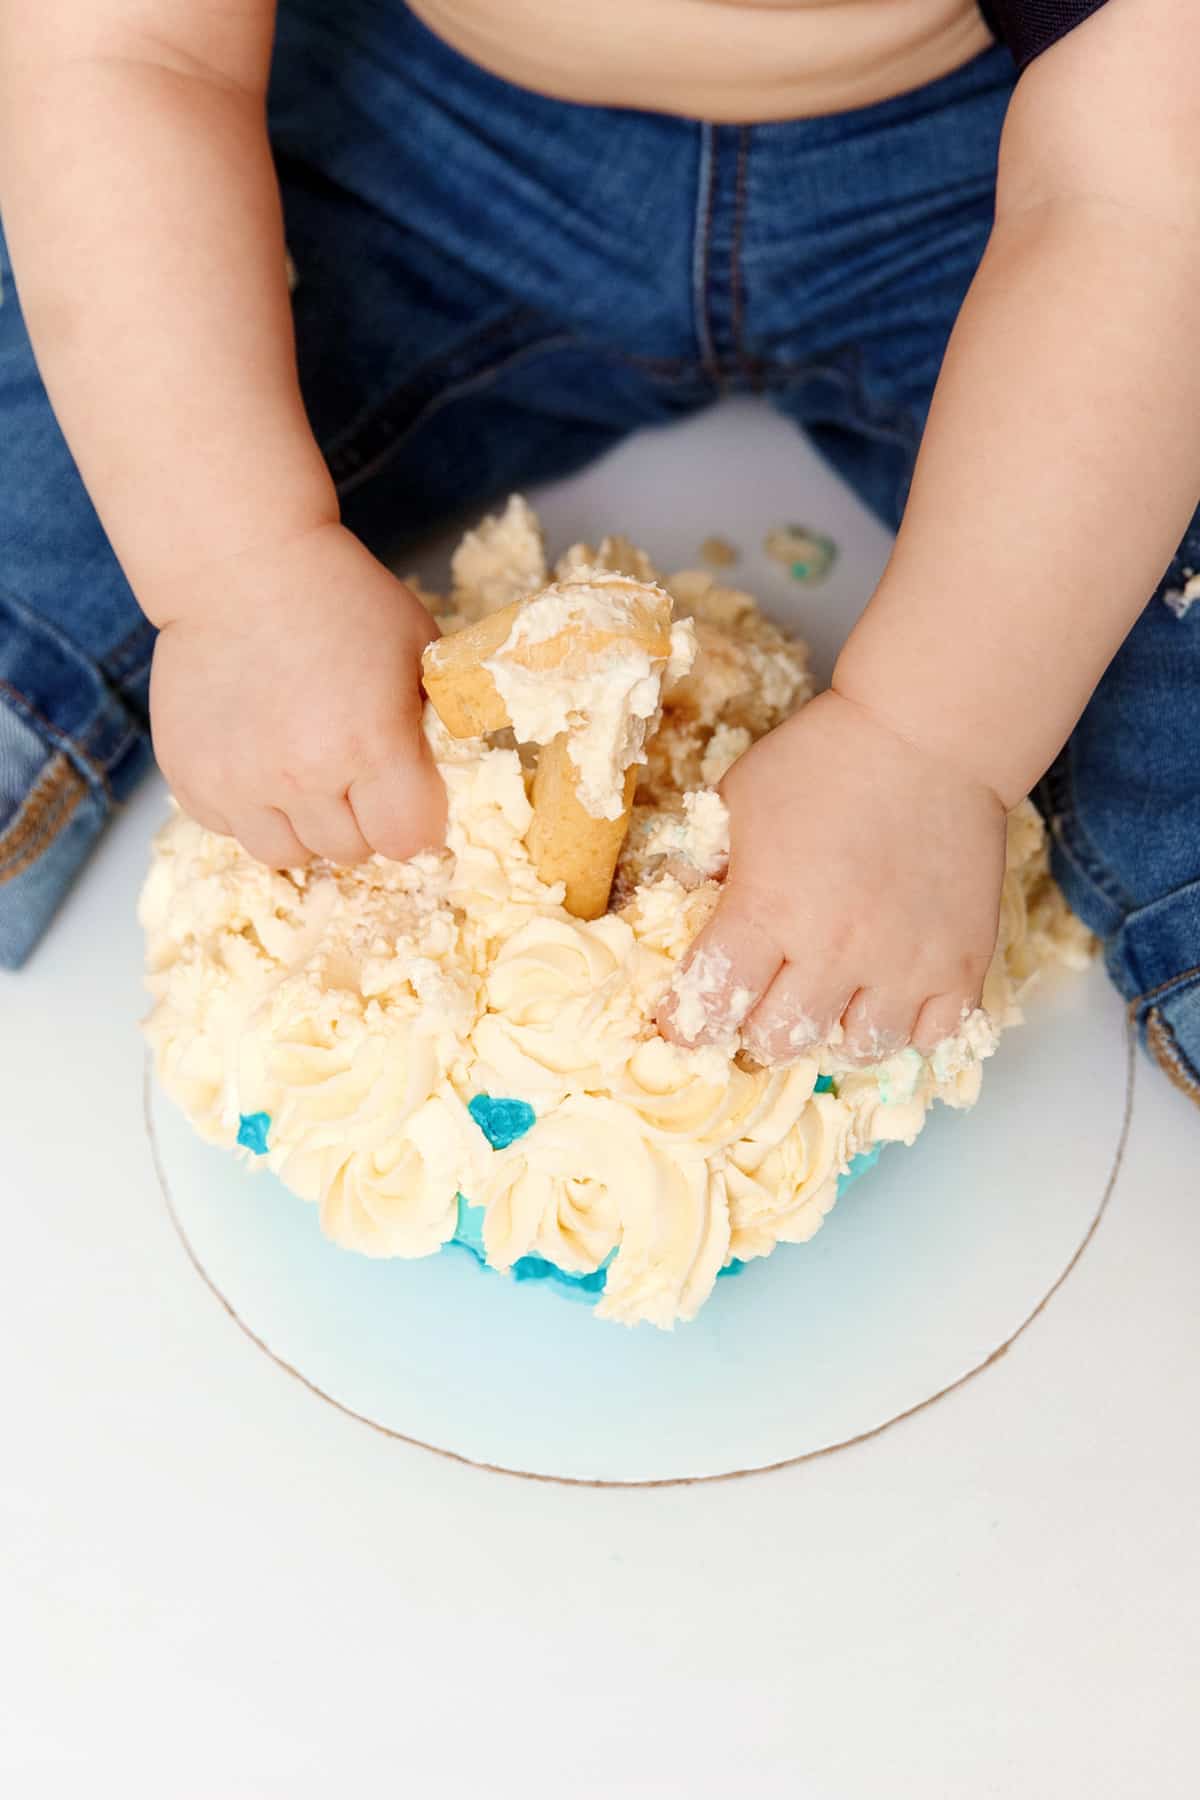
(662, 373)
(132, 675)
(896, 426)
(1059, 785)
(49, 807)
(426, 374)
(1163, 987)
(661, 368)
(115, 755)
(1167, 1052)
(706, 191)
(108, 709)
(62, 740)
(469, 384)
(737, 283)
(115, 664)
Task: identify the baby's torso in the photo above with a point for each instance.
(725, 60)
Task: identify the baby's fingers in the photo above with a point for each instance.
(731, 963)
(266, 833)
(798, 1010)
(402, 809)
(328, 828)
(940, 1017)
(878, 1022)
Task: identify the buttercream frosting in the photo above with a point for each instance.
(437, 1051)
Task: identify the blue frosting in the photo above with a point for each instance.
(252, 1132)
(865, 1160)
(824, 1084)
(502, 1122)
(469, 1236)
(469, 1230)
(536, 1268)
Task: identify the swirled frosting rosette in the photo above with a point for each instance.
(437, 1052)
(565, 1004)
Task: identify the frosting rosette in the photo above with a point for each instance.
(702, 1098)
(780, 1192)
(399, 1196)
(585, 1183)
(437, 1050)
(565, 1001)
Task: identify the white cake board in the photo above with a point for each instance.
(926, 1270)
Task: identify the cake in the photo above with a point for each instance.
(460, 1049)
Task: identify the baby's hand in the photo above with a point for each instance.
(864, 886)
(286, 705)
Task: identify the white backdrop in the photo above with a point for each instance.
(213, 1584)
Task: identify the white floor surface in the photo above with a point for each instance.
(211, 1584)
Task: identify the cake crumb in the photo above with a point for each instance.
(719, 552)
(1181, 600)
(807, 555)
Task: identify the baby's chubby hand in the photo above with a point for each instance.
(864, 887)
(286, 706)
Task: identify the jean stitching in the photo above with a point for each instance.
(1167, 1052)
(428, 372)
(1173, 981)
(61, 739)
(115, 663)
(735, 255)
(134, 674)
(482, 378)
(894, 424)
(662, 368)
(34, 844)
(1071, 838)
(426, 376)
(78, 745)
(49, 807)
(706, 190)
(128, 737)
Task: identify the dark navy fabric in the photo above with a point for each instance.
(1030, 26)
(495, 287)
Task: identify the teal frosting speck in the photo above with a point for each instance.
(252, 1132)
(502, 1122)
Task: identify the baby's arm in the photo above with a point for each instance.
(145, 228)
(1061, 462)
(1059, 468)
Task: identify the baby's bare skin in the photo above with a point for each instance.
(144, 224)
(733, 60)
(295, 738)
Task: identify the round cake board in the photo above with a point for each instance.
(926, 1269)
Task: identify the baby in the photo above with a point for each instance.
(519, 231)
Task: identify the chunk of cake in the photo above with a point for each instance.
(461, 1049)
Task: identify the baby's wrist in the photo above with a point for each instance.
(237, 572)
(241, 508)
(959, 754)
(928, 685)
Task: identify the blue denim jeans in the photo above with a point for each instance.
(493, 288)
